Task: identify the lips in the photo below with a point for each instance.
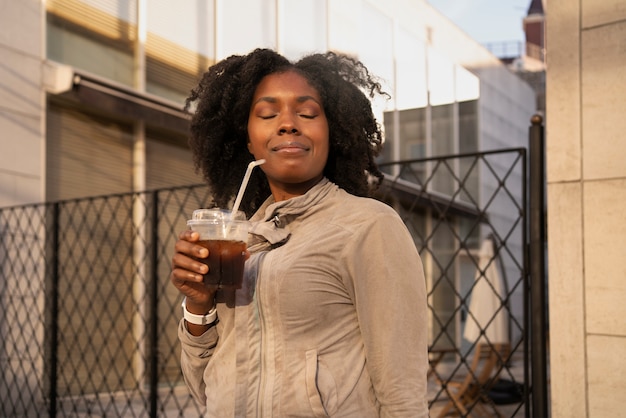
(292, 146)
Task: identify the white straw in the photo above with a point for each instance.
(244, 183)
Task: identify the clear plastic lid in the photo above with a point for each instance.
(216, 215)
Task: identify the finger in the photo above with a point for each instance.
(189, 235)
(181, 261)
(182, 277)
(191, 249)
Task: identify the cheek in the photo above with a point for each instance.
(325, 142)
(255, 150)
(252, 136)
(251, 131)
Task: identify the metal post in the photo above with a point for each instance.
(54, 311)
(537, 240)
(154, 307)
(526, 286)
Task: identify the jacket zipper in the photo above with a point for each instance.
(265, 399)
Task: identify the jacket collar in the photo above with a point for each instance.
(270, 224)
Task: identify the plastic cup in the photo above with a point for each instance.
(225, 237)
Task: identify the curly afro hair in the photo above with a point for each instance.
(222, 101)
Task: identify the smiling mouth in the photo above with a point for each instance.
(290, 146)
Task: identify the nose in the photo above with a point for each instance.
(287, 126)
(285, 130)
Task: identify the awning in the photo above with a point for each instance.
(116, 100)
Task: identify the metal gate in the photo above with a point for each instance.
(467, 216)
(88, 317)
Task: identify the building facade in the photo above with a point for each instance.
(122, 68)
(586, 149)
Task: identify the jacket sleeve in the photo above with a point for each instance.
(390, 298)
(194, 358)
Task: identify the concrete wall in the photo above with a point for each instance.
(22, 48)
(22, 162)
(586, 170)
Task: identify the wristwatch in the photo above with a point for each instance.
(207, 319)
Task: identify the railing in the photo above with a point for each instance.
(88, 317)
(516, 49)
(483, 200)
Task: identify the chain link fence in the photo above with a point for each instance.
(88, 317)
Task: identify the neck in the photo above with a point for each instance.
(282, 192)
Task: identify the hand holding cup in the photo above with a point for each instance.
(224, 235)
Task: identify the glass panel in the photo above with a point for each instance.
(258, 17)
(413, 133)
(468, 143)
(388, 144)
(412, 136)
(188, 23)
(411, 89)
(89, 52)
(94, 35)
(467, 85)
(468, 126)
(441, 78)
(443, 129)
(113, 19)
(179, 47)
(443, 144)
(123, 9)
(376, 52)
(299, 35)
(344, 26)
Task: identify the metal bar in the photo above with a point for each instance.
(454, 156)
(537, 232)
(54, 311)
(154, 307)
(526, 287)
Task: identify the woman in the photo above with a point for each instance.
(331, 319)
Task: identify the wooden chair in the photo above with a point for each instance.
(435, 355)
(471, 392)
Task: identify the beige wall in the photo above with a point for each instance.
(21, 102)
(586, 170)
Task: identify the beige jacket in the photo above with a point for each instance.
(331, 321)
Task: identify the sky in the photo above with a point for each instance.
(486, 21)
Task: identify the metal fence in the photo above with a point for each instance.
(88, 317)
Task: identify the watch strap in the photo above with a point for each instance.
(206, 319)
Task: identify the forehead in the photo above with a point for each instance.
(285, 84)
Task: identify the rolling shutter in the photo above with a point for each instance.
(169, 164)
(86, 155)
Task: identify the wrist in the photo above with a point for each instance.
(197, 308)
(206, 318)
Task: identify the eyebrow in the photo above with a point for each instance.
(300, 99)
